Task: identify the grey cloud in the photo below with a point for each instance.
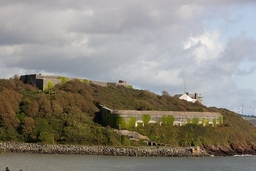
(237, 50)
(138, 41)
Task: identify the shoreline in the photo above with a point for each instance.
(148, 151)
(141, 151)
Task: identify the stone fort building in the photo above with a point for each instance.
(134, 118)
(44, 82)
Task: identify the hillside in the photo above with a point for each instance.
(67, 114)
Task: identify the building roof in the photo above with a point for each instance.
(185, 97)
(173, 113)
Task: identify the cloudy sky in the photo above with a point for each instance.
(152, 44)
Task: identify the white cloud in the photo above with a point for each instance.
(206, 46)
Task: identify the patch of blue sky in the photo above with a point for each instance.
(246, 78)
(248, 26)
(239, 20)
(247, 23)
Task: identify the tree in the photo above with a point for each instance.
(28, 125)
(165, 93)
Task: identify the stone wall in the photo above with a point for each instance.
(29, 79)
(180, 117)
(100, 83)
(41, 81)
(102, 150)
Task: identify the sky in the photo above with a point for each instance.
(200, 46)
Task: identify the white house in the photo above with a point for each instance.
(187, 98)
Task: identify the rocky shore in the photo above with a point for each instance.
(102, 150)
(231, 150)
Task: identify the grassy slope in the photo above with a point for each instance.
(65, 114)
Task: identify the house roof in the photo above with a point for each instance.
(187, 98)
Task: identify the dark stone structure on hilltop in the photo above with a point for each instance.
(39, 81)
(44, 82)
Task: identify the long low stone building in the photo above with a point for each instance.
(44, 82)
(134, 118)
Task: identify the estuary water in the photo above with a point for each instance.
(55, 162)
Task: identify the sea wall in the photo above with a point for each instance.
(102, 150)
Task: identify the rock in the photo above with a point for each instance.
(233, 149)
(101, 150)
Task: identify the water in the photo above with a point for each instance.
(54, 162)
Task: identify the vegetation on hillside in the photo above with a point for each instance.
(67, 114)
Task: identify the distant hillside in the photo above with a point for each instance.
(251, 119)
(67, 114)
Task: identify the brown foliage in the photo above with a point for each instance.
(32, 109)
(28, 125)
(7, 116)
(11, 97)
(9, 105)
(57, 109)
(44, 106)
